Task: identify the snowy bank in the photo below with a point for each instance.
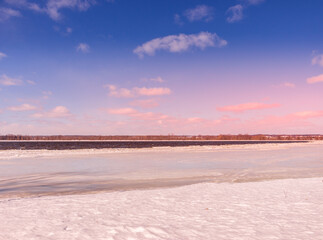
(279, 209)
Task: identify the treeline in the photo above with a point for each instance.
(161, 137)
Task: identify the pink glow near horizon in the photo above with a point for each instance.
(247, 106)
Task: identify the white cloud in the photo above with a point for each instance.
(180, 43)
(315, 79)
(2, 55)
(199, 13)
(254, 2)
(235, 13)
(7, 13)
(25, 4)
(7, 81)
(178, 19)
(31, 82)
(52, 7)
(83, 47)
(57, 112)
(69, 30)
(21, 108)
(318, 60)
(136, 91)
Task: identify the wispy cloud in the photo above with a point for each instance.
(288, 85)
(8, 81)
(151, 91)
(22, 108)
(136, 91)
(2, 55)
(315, 79)
(57, 112)
(25, 4)
(7, 13)
(254, 2)
(318, 60)
(178, 20)
(145, 103)
(199, 13)
(246, 106)
(31, 82)
(235, 13)
(170, 123)
(122, 111)
(83, 47)
(156, 79)
(53, 7)
(293, 119)
(285, 85)
(46, 94)
(180, 43)
(133, 113)
(307, 114)
(69, 30)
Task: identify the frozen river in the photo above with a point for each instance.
(43, 172)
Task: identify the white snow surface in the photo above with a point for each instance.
(279, 209)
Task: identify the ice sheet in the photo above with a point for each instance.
(67, 172)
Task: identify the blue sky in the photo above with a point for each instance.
(161, 66)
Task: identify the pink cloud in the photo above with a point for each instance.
(21, 108)
(134, 114)
(306, 115)
(195, 120)
(8, 81)
(289, 85)
(246, 106)
(57, 112)
(170, 123)
(122, 111)
(157, 79)
(315, 79)
(296, 120)
(225, 120)
(136, 91)
(146, 103)
(152, 91)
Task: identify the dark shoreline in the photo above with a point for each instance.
(69, 145)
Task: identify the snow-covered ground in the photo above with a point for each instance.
(279, 209)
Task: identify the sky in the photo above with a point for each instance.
(124, 67)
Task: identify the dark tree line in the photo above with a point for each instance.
(161, 137)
